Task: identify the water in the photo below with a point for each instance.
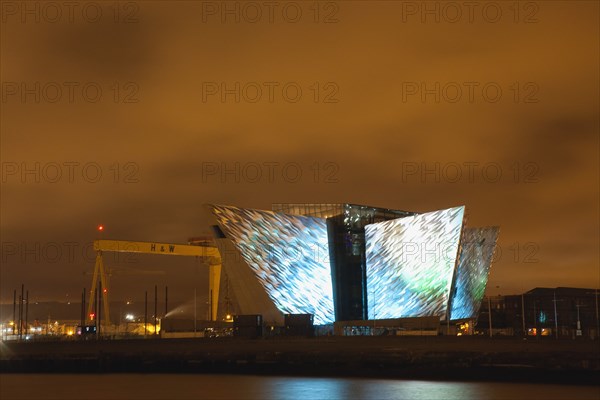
(164, 386)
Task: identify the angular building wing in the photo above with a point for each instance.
(287, 255)
(477, 251)
(411, 263)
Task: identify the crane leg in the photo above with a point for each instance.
(214, 281)
(104, 293)
(91, 302)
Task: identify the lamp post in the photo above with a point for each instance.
(578, 331)
(537, 311)
(555, 316)
(597, 320)
(597, 316)
(523, 313)
(146, 313)
(490, 314)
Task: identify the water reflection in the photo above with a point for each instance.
(163, 386)
(326, 388)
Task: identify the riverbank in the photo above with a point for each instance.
(437, 358)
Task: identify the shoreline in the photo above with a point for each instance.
(434, 358)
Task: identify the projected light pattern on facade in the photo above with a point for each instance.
(477, 250)
(411, 263)
(289, 256)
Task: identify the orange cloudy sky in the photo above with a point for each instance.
(135, 116)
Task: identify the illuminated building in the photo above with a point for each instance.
(284, 265)
(346, 237)
(477, 250)
(411, 263)
(344, 262)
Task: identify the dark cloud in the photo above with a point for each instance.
(367, 140)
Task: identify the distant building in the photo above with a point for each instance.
(554, 312)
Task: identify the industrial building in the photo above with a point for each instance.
(348, 262)
(560, 312)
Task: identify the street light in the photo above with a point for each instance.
(597, 315)
(490, 315)
(535, 318)
(555, 315)
(523, 314)
(578, 332)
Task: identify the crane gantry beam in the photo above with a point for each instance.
(207, 252)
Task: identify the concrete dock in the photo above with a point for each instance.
(464, 358)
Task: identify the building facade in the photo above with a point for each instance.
(560, 312)
(343, 262)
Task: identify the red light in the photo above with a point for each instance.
(100, 228)
(92, 315)
(104, 290)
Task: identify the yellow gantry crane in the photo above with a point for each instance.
(202, 249)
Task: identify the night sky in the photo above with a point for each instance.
(128, 117)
